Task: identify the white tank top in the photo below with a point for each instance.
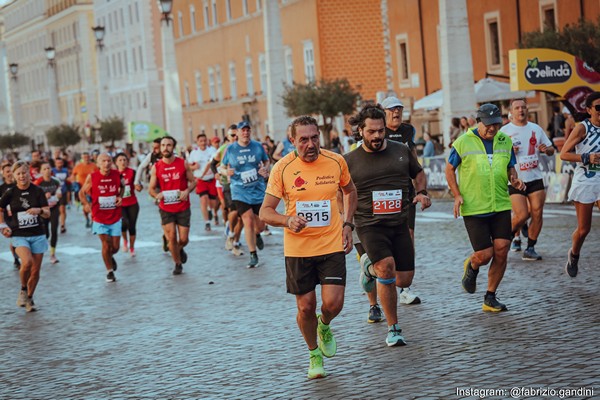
(588, 174)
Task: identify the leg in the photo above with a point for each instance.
(404, 278)
(249, 222)
(26, 265)
(584, 225)
(498, 266)
(34, 277)
(332, 297)
(171, 235)
(386, 271)
(204, 206)
(536, 202)
(134, 211)
(307, 318)
(63, 216)
(481, 257)
(184, 233)
(54, 217)
(107, 250)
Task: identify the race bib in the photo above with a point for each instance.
(528, 162)
(107, 202)
(127, 191)
(249, 176)
(27, 220)
(316, 213)
(387, 201)
(61, 176)
(171, 196)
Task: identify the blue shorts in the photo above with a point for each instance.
(110, 230)
(35, 244)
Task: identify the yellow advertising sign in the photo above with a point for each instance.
(553, 71)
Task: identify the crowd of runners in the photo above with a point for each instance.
(365, 199)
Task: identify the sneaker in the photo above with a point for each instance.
(531, 255)
(183, 256)
(110, 277)
(491, 304)
(226, 231)
(259, 242)
(178, 269)
(515, 245)
(132, 253)
(367, 281)
(216, 220)
(53, 259)
(210, 215)
(88, 223)
(327, 342)
(315, 369)
(394, 336)
(63, 229)
(229, 244)
(125, 246)
(22, 298)
(165, 244)
(237, 251)
(375, 314)
(267, 232)
(30, 305)
(114, 264)
(571, 268)
(408, 297)
(469, 279)
(207, 227)
(253, 260)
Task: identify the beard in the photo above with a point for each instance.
(167, 154)
(374, 145)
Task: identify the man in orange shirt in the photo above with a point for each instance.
(316, 237)
(80, 173)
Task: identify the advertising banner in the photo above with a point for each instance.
(143, 131)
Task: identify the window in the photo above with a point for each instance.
(309, 61)
(214, 12)
(193, 18)
(232, 81)
(211, 84)
(245, 7)
(186, 93)
(137, 12)
(262, 70)
(141, 57)
(219, 83)
(228, 9)
(289, 66)
(180, 23)
(548, 15)
(492, 41)
(125, 61)
(134, 58)
(199, 98)
(249, 77)
(206, 23)
(403, 61)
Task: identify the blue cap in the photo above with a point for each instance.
(243, 124)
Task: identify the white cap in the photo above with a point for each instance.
(391, 102)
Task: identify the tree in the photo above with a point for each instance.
(63, 135)
(112, 129)
(327, 98)
(13, 141)
(581, 40)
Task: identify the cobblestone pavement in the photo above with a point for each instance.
(155, 335)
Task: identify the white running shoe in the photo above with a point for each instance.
(408, 297)
(22, 298)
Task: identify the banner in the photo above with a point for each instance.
(555, 72)
(143, 131)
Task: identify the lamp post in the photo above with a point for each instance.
(172, 94)
(99, 32)
(53, 86)
(14, 71)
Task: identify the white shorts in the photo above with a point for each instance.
(586, 194)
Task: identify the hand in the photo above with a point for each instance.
(7, 232)
(119, 201)
(87, 208)
(183, 195)
(263, 171)
(518, 184)
(458, 201)
(159, 197)
(594, 158)
(34, 211)
(296, 223)
(138, 187)
(424, 200)
(48, 195)
(542, 148)
(347, 239)
(230, 171)
(516, 149)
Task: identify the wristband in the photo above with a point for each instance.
(350, 224)
(585, 158)
(423, 192)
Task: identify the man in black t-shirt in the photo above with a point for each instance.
(9, 181)
(381, 217)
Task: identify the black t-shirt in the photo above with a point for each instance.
(382, 179)
(4, 187)
(21, 223)
(50, 186)
(404, 134)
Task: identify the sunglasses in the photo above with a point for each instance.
(597, 107)
(397, 108)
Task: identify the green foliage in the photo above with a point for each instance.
(581, 40)
(327, 98)
(13, 141)
(63, 135)
(112, 129)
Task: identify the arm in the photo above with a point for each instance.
(138, 173)
(84, 192)
(278, 151)
(191, 182)
(514, 180)
(421, 186)
(269, 215)
(575, 137)
(152, 185)
(453, 185)
(350, 204)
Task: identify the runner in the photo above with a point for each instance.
(284, 147)
(106, 192)
(199, 162)
(80, 173)
(382, 170)
(8, 182)
(315, 241)
(585, 186)
(25, 204)
(529, 141)
(248, 167)
(130, 207)
(52, 190)
(176, 182)
(61, 173)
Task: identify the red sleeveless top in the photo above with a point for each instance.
(105, 189)
(128, 176)
(172, 180)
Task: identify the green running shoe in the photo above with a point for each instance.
(315, 369)
(327, 342)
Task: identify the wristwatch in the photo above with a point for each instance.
(423, 192)
(350, 224)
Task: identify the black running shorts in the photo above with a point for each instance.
(483, 230)
(181, 218)
(383, 241)
(303, 274)
(242, 207)
(530, 187)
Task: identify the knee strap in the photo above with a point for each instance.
(386, 281)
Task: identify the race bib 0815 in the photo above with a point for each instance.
(316, 213)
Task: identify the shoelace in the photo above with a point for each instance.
(326, 335)
(315, 360)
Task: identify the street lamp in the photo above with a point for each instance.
(50, 55)
(99, 33)
(14, 70)
(166, 6)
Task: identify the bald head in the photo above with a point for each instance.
(104, 162)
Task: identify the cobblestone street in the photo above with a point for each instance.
(222, 331)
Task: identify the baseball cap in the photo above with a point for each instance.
(215, 140)
(391, 102)
(489, 114)
(243, 124)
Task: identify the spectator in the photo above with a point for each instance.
(429, 149)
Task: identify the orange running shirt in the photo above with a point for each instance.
(310, 189)
(82, 171)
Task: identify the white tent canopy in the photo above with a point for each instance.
(487, 89)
